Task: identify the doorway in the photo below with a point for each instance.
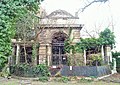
(58, 54)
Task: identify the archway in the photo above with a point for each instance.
(58, 53)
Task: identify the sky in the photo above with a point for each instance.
(96, 17)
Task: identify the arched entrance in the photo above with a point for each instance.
(58, 53)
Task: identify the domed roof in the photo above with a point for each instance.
(61, 14)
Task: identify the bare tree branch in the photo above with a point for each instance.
(90, 3)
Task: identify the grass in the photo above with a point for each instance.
(17, 82)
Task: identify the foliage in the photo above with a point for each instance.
(44, 69)
(84, 80)
(71, 49)
(26, 70)
(10, 11)
(68, 42)
(34, 51)
(107, 37)
(118, 64)
(115, 54)
(25, 30)
(25, 27)
(64, 79)
(96, 59)
(111, 64)
(5, 71)
(89, 43)
(43, 79)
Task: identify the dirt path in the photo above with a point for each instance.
(113, 78)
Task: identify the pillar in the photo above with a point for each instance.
(102, 53)
(85, 57)
(109, 54)
(17, 53)
(49, 55)
(114, 66)
(13, 55)
(42, 54)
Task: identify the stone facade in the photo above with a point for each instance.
(45, 40)
(51, 28)
(55, 30)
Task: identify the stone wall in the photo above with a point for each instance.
(45, 40)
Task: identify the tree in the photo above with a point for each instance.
(10, 11)
(89, 43)
(26, 29)
(107, 38)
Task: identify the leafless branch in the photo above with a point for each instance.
(90, 3)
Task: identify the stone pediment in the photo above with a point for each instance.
(61, 14)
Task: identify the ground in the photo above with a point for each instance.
(111, 80)
(17, 82)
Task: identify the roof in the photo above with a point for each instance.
(62, 25)
(61, 14)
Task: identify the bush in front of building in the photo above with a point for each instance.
(118, 64)
(25, 70)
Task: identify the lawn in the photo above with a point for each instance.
(17, 82)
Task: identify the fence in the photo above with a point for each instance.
(85, 71)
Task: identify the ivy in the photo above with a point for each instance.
(106, 37)
(10, 11)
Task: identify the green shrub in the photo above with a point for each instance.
(44, 70)
(64, 79)
(25, 70)
(43, 78)
(83, 80)
(118, 64)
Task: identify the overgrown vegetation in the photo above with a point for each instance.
(106, 38)
(26, 28)
(83, 80)
(11, 11)
(115, 55)
(43, 78)
(25, 70)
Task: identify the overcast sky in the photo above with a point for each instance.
(98, 16)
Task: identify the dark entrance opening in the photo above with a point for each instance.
(58, 53)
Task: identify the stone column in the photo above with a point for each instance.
(85, 57)
(42, 54)
(109, 54)
(114, 66)
(102, 53)
(49, 55)
(75, 35)
(13, 55)
(71, 57)
(17, 53)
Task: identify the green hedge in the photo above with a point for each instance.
(24, 70)
(118, 64)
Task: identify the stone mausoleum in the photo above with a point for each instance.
(56, 28)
